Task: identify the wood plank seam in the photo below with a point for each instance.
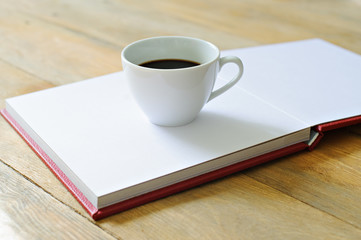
(21, 70)
(63, 203)
(291, 196)
(56, 199)
(81, 34)
(304, 202)
(37, 185)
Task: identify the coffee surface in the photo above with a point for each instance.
(169, 64)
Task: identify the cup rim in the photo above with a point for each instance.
(170, 37)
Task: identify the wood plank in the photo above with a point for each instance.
(243, 23)
(65, 24)
(27, 212)
(328, 178)
(130, 20)
(232, 208)
(50, 52)
(16, 82)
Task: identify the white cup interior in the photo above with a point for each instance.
(171, 47)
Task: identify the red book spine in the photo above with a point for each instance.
(331, 126)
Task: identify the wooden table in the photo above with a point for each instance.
(46, 43)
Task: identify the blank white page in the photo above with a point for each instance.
(313, 80)
(106, 142)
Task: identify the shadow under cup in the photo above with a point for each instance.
(171, 97)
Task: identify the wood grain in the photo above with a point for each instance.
(329, 178)
(237, 207)
(48, 51)
(46, 43)
(27, 212)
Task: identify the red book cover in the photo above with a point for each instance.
(322, 128)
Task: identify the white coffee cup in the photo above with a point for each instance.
(174, 97)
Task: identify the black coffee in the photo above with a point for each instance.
(169, 64)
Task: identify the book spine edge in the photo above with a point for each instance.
(332, 126)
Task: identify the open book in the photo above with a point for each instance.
(94, 138)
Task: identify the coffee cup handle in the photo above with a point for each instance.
(222, 62)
